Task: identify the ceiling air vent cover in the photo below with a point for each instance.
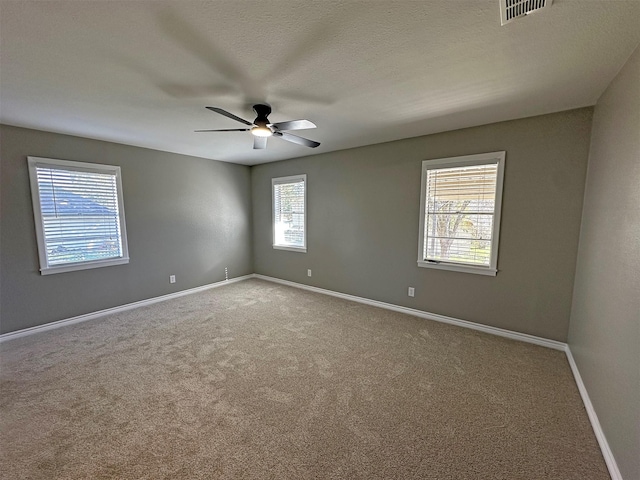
(512, 9)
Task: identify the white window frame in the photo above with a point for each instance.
(45, 268)
(281, 181)
(464, 161)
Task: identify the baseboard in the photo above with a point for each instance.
(101, 313)
(609, 459)
(501, 332)
(523, 337)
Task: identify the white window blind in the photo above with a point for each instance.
(78, 213)
(289, 212)
(460, 211)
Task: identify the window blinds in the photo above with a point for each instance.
(288, 211)
(80, 215)
(460, 208)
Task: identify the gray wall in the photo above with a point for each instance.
(605, 320)
(185, 216)
(363, 209)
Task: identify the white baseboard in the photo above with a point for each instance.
(501, 332)
(101, 313)
(609, 459)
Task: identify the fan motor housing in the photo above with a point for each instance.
(263, 112)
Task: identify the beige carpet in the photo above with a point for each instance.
(260, 381)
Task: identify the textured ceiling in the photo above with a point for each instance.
(141, 72)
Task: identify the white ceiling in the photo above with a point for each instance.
(364, 71)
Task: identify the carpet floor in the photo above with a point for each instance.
(256, 380)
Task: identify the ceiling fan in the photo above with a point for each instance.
(261, 129)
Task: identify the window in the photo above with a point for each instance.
(289, 213)
(460, 207)
(79, 215)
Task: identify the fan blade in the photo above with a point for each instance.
(259, 143)
(294, 125)
(296, 139)
(229, 115)
(226, 130)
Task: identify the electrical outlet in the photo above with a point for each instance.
(412, 292)
(172, 279)
(309, 273)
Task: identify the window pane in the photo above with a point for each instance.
(80, 216)
(459, 214)
(469, 242)
(289, 214)
(474, 252)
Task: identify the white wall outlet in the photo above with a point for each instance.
(172, 279)
(412, 292)
(309, 273)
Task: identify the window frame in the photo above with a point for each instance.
(497, 158)
(68, 165)
(283, 181)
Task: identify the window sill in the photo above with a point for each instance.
(83, 266)
(453, 267)
(290, 248)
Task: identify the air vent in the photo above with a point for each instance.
(512, 9)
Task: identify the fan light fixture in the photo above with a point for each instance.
(261, 131)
